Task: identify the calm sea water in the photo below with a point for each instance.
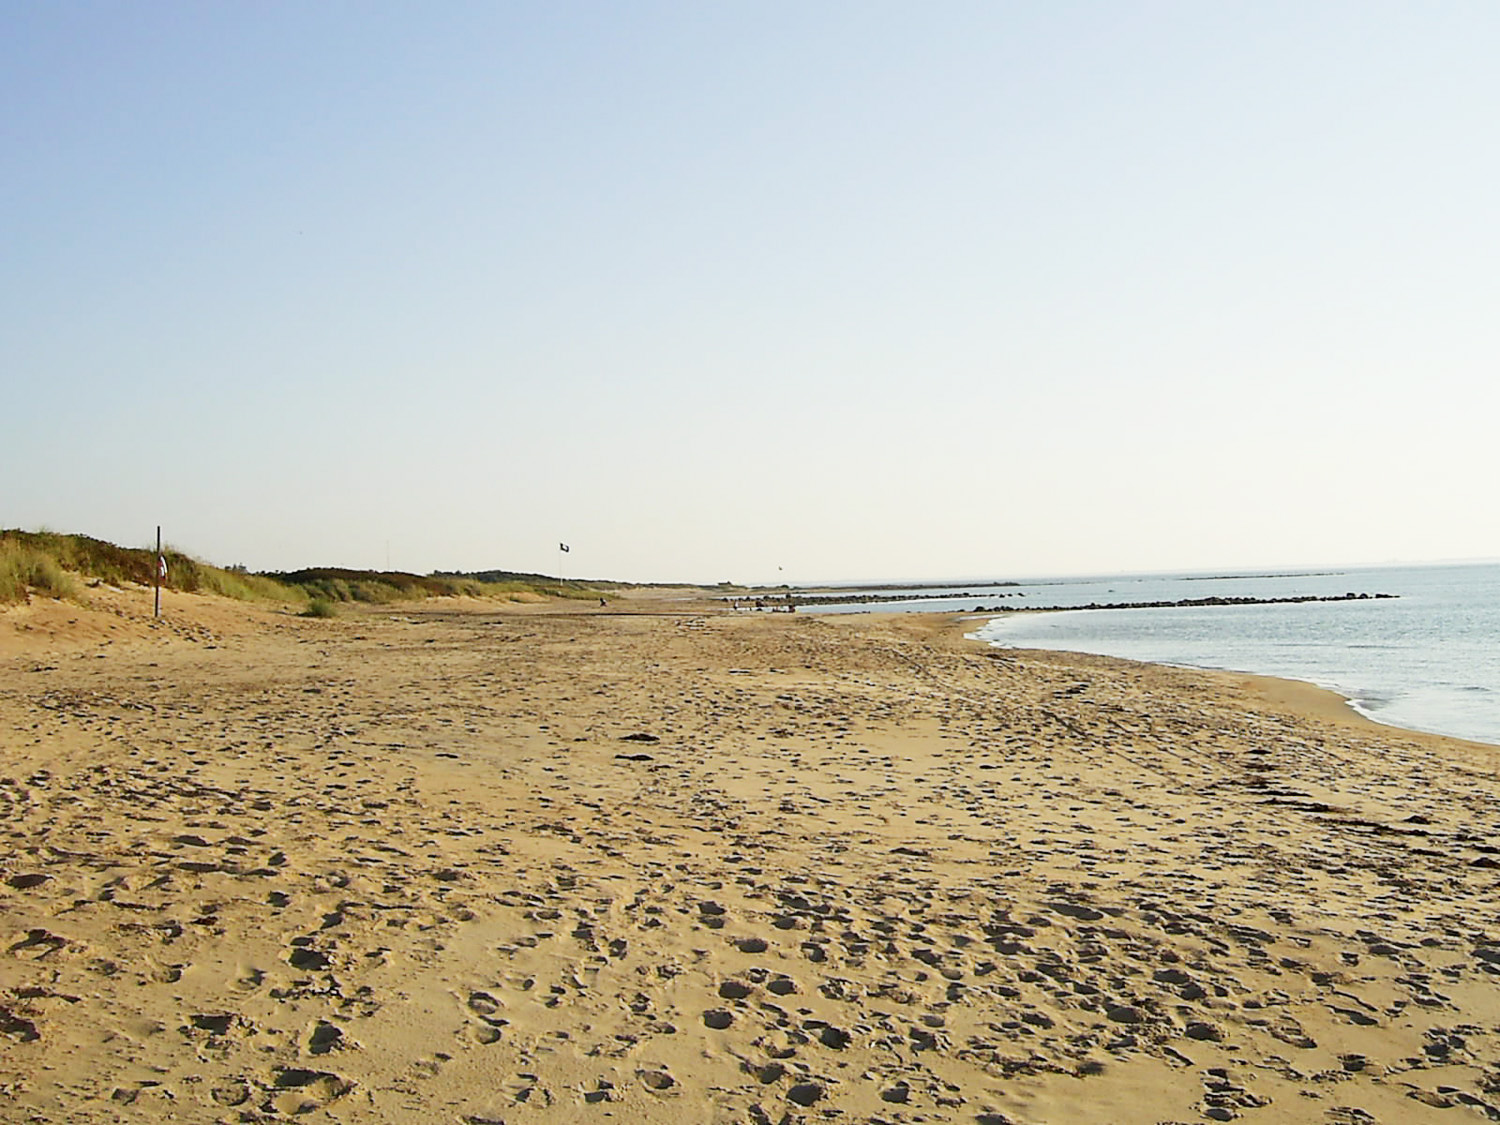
(1428, 660)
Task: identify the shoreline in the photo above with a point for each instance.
(549, 862)
(1346, 705)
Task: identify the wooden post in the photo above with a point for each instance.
(157, 568)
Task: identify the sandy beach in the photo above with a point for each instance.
(657, 862)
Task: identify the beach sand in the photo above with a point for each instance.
(655, 862)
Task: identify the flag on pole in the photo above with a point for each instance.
(161, 567)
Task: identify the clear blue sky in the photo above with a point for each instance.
(857, 290)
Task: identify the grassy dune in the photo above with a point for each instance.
(45, 563)
(24, 568)
(50, 564)
(339, 585)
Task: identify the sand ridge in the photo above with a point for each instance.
(656, 862)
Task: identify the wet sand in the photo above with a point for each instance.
(660, 863)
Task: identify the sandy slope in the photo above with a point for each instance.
(467, 865)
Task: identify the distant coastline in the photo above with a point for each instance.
(1185, 603)
(797, 601)
(1266, 574)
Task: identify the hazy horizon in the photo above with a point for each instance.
(761, 292)
(865, 581)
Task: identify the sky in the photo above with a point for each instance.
(753, 292)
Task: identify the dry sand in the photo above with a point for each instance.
(556, 863)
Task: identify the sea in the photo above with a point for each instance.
(1425, 658)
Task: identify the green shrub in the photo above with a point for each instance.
(320, 607)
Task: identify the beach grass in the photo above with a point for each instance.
(25, 569)
(320, 607)
(46, 562)
(50, 564)
(337, 584)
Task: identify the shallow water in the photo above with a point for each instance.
(1428, 660)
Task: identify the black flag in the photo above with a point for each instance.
(562, 546)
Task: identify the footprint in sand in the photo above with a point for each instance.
(324, 1037)
(526, 1089)
(657, 1079)
(230, 1092)
(484, 1033)
(215, 1023)
(303, 956)
(302, 1091)
(38, 944)
(486, 1008)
